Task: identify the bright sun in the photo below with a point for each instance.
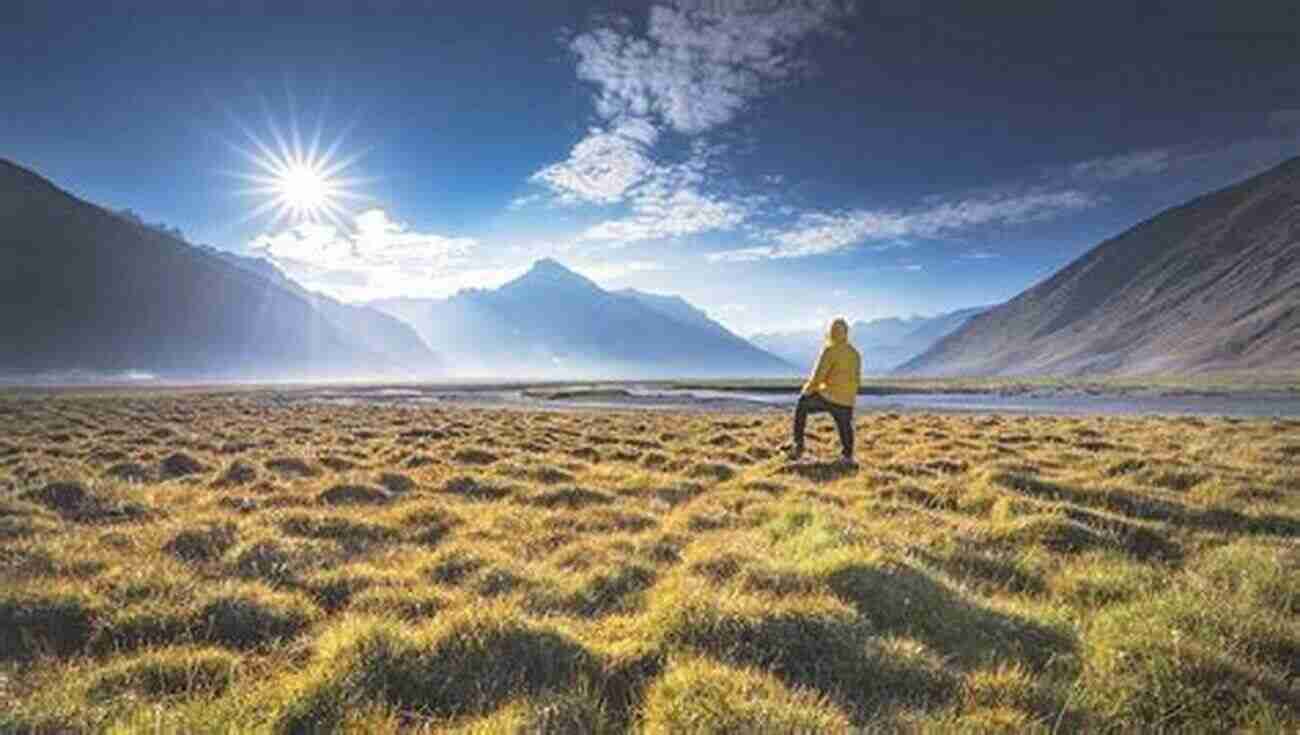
(299, 182)
(304, 188)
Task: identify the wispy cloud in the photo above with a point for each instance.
(603, 166)
(699, 64)
(1114, 168)
(604, 272)
(819, 233)
(375, 256)
(671, 202)
(659, 215)
(696, 67)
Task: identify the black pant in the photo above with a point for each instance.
(843, 416)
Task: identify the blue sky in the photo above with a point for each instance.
(776, 162)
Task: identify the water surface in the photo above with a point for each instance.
(651, 396)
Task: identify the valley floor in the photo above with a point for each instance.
(203, 562)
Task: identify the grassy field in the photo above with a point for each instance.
(207, 563)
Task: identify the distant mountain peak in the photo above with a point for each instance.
(551, 272)
(549, 265)
(553, 323)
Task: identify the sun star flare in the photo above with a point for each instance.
(299, 181)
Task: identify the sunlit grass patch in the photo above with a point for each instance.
(1097, 580)
(472, 488)
(251, 616)
(469, 662)
(355, 494)
(354, 535)
(167, 673)
(972, 573)
(203, 544)
(811, 642)
(291, 467)
(73, 501)
(277, 560)
(700, 695)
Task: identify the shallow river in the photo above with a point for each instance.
(635, 396)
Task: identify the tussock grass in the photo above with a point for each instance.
(701, 695)
(217, 563)
(469, 662)
(54, 622)
(166, 673)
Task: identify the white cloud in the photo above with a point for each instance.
(602, 272)
(699, 64)
(377, 256)
(819, 233)
(659, 215)
(601, 167)
(744, 255)
(1114, 168)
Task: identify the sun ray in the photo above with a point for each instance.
(304, 178)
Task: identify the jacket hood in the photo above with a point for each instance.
(838, 333)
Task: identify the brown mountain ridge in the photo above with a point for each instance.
(1211, 285)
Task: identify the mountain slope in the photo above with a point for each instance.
(678, 308)
(85, 289)
(554, 323)
(367, 328)
(1213, 284)
(884, 343)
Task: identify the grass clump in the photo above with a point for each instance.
(203, 544)
(471, 488)
(355, 495)
(474, 457)
(1217, 648)
(32, 623)
(1097, 580)
(238, 473)
(74, 502)
(252, 616)
(465, 663)
(354, 535)
(812, 643)
(700, 695)
(292, 467)
(279, 562)
(179, 464)
(572, 498)
(167, 673)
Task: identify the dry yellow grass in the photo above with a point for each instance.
(237, 562)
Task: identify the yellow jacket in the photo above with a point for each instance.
(839, 368)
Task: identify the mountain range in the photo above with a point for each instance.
(554, 323)
(1211, 285)
(883, 343)
(91, 292)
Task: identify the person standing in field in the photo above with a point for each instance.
(832, 388)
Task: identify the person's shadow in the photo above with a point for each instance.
(821, 471)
